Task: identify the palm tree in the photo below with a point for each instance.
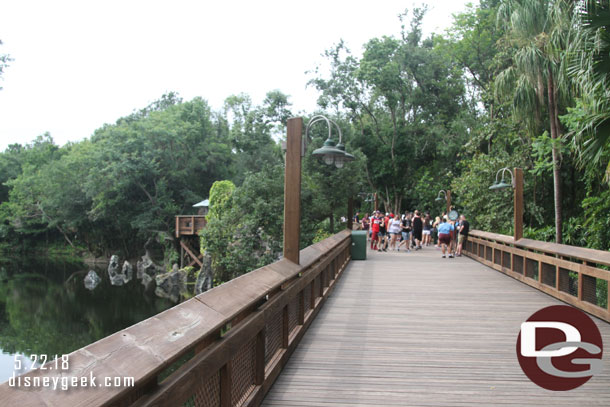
(538, 32)
(590, 69)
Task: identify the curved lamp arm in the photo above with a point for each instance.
(318, 118)
(504, 170)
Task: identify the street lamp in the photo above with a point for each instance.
(295, 149)
(330, 153)
(447, 197)
(438, 198)
(501, 184)
(516, 183)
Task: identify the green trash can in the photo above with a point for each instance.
(359, 245)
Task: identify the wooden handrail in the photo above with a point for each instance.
(547, 267)
(266, 312)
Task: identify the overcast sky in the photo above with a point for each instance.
(80, 64)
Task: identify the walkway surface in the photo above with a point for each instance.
(413, 329)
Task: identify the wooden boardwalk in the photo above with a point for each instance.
(413, 329)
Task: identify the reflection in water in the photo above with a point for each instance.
(45, 309)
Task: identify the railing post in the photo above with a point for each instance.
(448, 194)
(350, 213)
(292, 190)
(260, 358)
(518, 204)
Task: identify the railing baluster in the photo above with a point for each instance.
(226, 384)
(285, 326)
(259, 376)
(302, 306)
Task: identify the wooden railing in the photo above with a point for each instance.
(227, 345)
(187, 225)
(565, 272)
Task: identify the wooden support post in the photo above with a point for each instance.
(518, 204)
(181, 257)
(292, 190)
(557, 278)
(177, 226)
(448, 193)
(350, 213)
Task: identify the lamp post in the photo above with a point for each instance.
(295, 149)
(447, 195)
(517, 185)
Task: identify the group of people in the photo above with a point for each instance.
(414, 230)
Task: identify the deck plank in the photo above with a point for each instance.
(413, 329)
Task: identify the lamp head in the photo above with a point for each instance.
(328, 152)
(499, 185)
(346, 156)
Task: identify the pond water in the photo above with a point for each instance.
(45, 309)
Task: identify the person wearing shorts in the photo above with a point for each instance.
(418, 226)
(375, 222)
(381, 236)
(406, 231)
(444, 235)
(427, 230)
(463, 234)
(394, 228)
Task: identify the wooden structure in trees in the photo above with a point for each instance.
(187, 231)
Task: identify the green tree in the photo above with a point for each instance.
(405, 98)
(252, 128)
(589, 120)
(538, 30)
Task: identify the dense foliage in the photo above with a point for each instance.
(512, 83)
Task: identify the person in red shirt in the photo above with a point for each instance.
(375, 222)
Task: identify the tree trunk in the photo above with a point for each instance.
(556, 158)
(331, 220)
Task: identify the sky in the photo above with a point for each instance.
(80, 64)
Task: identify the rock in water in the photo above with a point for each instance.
(205, 276)
(147, 266)
(116, 277)
(147, 282)
(171, 285)
(127, 271)
(92, 280)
